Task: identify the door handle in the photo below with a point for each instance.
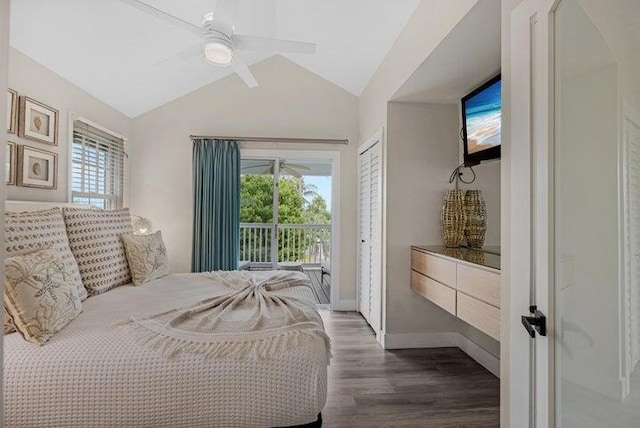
(537, 322)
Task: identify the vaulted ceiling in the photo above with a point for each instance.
(130, 60)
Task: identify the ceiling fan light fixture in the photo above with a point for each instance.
(218, 53)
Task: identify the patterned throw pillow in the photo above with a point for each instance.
(38, 295)
(94, 237)
(36, 230)
(8, 324)
(147, 257)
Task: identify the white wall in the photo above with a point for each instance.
(422, 34)
(35, 81)
(422, 147)
(421, 151)
(4, 57)
(290, 102)
(428, 26)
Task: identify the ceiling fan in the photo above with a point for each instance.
(219, 42)
(286, 168)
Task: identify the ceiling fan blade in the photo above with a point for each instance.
(242, 69)
(190, 52)
(267, 44)
(299, 166)
(166, 17)
(292, 172)
(262, 165)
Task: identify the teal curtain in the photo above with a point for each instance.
(216, 213)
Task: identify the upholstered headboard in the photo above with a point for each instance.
(22, 206)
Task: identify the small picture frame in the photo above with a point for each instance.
(37, 168)
(12, 111)
(10, 164)
(37, 122)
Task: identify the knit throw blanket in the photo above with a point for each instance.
(251, 321)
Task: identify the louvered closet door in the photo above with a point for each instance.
(365, 232)
(632, 142)
(375, 232)
(370, 235)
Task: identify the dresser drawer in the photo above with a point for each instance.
(479, 283)
(439, 294)
(436, 268)
(482, 316)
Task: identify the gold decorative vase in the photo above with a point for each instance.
(453, 218)
(476, 217)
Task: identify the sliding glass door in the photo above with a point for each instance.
(258, 210)
(285, 216)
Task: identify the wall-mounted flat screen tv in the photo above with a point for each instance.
(482, 122)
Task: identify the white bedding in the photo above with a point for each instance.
(92, 374)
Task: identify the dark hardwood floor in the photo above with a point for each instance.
(371, 387)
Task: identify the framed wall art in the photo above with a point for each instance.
(12, 111)
(10, 164)
(37, 168)
(38, 122)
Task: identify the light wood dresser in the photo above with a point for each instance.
(462, 281)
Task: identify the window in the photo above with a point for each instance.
(98, 167)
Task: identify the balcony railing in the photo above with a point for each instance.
(309, 244)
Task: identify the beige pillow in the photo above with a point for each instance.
(94, 238)
(147, 257)
(8, 324)
(38, 295)
(27, 232)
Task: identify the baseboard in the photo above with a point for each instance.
(419, 340)
(442, 340)
(481, 355)
(343, 305)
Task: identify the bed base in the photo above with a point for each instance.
(316, 424)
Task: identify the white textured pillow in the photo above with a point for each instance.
(147, 257)
(94, 238)
(38, 296)
(36, 230)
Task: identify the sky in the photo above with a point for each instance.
(324, 187)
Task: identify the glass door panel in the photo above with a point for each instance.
(257, 212)
(597, 214)
(304, 211)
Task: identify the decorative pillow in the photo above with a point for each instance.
(8, 324)
(94, 237)
(30, 231)
(147, 257)
(38, 296)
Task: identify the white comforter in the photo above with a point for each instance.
(93, 374)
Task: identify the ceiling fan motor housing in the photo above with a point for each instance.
(218, 43)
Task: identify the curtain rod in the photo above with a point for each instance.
(273, 140)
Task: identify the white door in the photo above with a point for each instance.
(530, 217)
(370, 232)
(574, 229)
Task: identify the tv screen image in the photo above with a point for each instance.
(482, 113)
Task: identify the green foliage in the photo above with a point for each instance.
(256, 198)
(316, 212)
(300, 203)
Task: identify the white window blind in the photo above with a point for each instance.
(98, 167)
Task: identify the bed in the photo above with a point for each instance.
(94, 373)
